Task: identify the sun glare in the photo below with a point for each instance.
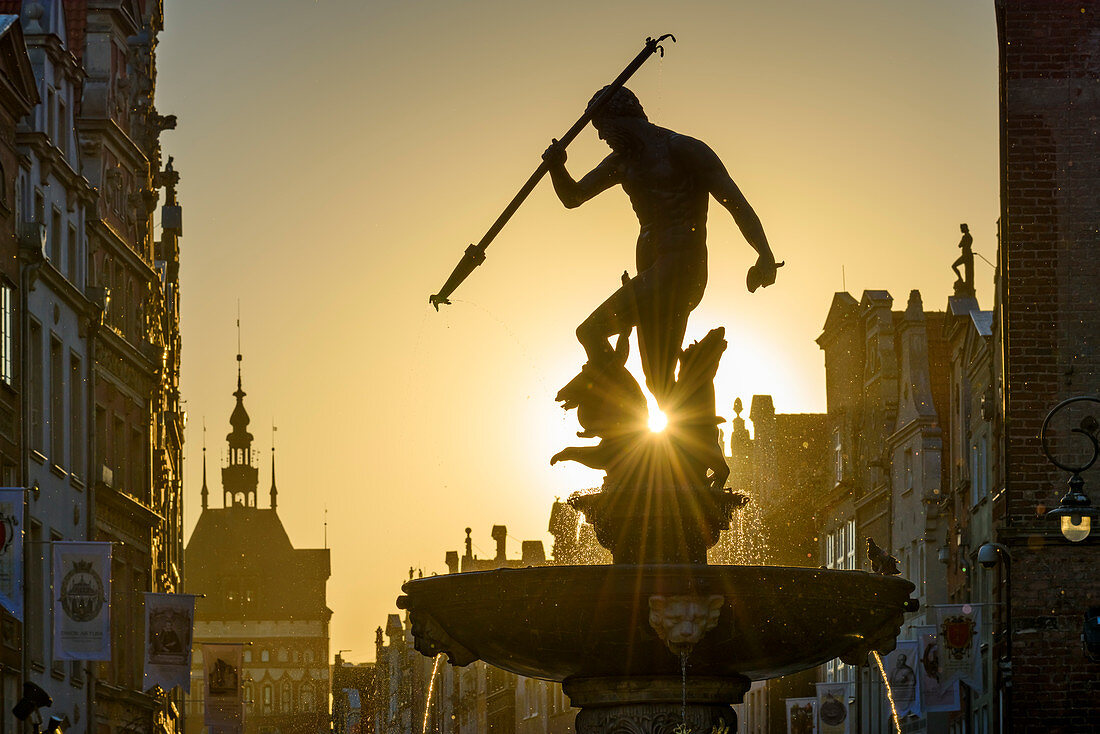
(657, 420)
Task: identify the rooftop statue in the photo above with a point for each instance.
(964, 281)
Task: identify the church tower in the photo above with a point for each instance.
(239, 478)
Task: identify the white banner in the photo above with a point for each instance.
(801, 716)
(959, 631)
(169, 621)
(935, 693)
(832, 708)
(221, 665)
(82, 601)
(11, 551)
(901, 673)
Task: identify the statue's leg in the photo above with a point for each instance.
(666, 293)
(660, 336)
(616, 315)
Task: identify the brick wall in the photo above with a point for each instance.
(1050, 169)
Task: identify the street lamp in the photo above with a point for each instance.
(988, 555)
(1074, 510)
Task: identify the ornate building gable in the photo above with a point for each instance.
(18, 90)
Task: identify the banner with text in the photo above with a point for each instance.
(169, 621)
(959, 630)
(801, 717)
(82, 600)
(936, 694)
(11, 551)
(901, 672)
(832, 708)
(221, 665)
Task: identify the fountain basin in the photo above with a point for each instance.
(561, 622)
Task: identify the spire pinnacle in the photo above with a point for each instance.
(274, 491)
(205, 491)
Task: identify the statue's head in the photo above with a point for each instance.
(608, 121)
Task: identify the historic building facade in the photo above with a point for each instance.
(1046, 350)
(18, 96)
(90, 419)
(260, 590)
(477, 698)
(56, 314)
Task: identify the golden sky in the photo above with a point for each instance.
(337, 156)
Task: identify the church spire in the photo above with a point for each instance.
(274, 491)
(239, 477)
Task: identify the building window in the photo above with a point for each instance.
(305, 697)
(285, 699)
(57, 667)
(267, 698)
(62, 138)
(249, 701)
(102, 463)
(118, 453)
(53, 246)
(907, 470)
(137, 465)
(7, 337)
(36, 590)
(979, 469)
(36, 379)
(265, 656)
(248, 656)
(57, 403)
(838, 458)
(76, 415)
(850, 553)
(71, 266)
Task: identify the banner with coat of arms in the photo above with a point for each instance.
(11, 551)
(936, 693)
(958, 628)
(82, 600)
(224, 704)
(169, 622)
(832, 708)
(801, 716)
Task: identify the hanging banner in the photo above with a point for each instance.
(935, 693)
(221, 665)
(169, 621)
(11, 551)
(801, 715)
(832, 708)
(82, 601)
(901, 673)
(959, 630)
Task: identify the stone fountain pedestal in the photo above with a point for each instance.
(655, 705)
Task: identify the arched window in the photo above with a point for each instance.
(248, 699)
(309, 655)
(267, 706)
(285, 698)
(283, 655)
(305, 697)
(265, 656)
(248, 656)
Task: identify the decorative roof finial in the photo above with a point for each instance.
(239, 358)
(205, 491)
(274, 491)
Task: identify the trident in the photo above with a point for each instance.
(475, 254)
